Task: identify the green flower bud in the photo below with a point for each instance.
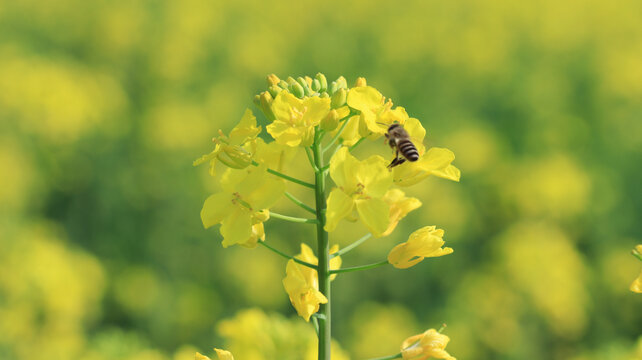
(304, 83)
(316, 85)
(290, 80)
(274, 90)
(360, 82)
(301, 81)
(283, 84)
(257, 100)
(324, 95)
(272, 80)
(322, 81)
(339, 98)
(330, 121)
(297, 90)
(333, 87)
(342, 83)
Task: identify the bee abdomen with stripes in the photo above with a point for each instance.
(398, 139)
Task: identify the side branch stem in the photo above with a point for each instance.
(292, 218)
(278, 252)
(300, 203)
(357, 268)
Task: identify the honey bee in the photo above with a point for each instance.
(397, 137)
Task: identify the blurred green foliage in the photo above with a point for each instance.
(104, 105)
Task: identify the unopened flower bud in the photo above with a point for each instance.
(308, 80)
(361, 81)
(341, 82)
(324, 95)
(333, 87)
(322, 81)
(265, 105)
(304, 83)
(339, 98)
(297, 90)
(290, 80)
(257, 100)
(274, 90)
(272, 80)
(283, 84)
(301, 81)
(330, 121)
(316, 85)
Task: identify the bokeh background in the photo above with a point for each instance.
(104, 105)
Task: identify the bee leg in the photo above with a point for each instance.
(397, 160)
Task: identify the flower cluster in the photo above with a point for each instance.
(328, 121)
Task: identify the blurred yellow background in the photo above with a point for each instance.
(104, 105)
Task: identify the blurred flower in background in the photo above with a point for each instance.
(103, 105)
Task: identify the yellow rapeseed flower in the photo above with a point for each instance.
(302, 283)
(361, 185)
(241, 206)
(430, 344)
(372, 106)
(296, 118)
(423, 243)
(235, 150)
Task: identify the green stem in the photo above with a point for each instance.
(395, 356)
(323, 252)
(312, 266)
(286, 177)
(357, 268)
(292, 218)
(351, 246)
(300, 203)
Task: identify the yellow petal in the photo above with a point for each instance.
(200, 356)
(284, 133)
(216, 208)
(237, 227)
(430, 344)
(425, 242)
(342, 164)
(335, 262)
(283, 104)
(636, 285)
(435, 161)
(400, 206)
(223, 354)
(373, 214)
(340, 205)
(374, 175)
(273, 154)
(245, 130)
(364, 98)
(316, 108)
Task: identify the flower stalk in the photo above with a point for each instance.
(323, 253)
